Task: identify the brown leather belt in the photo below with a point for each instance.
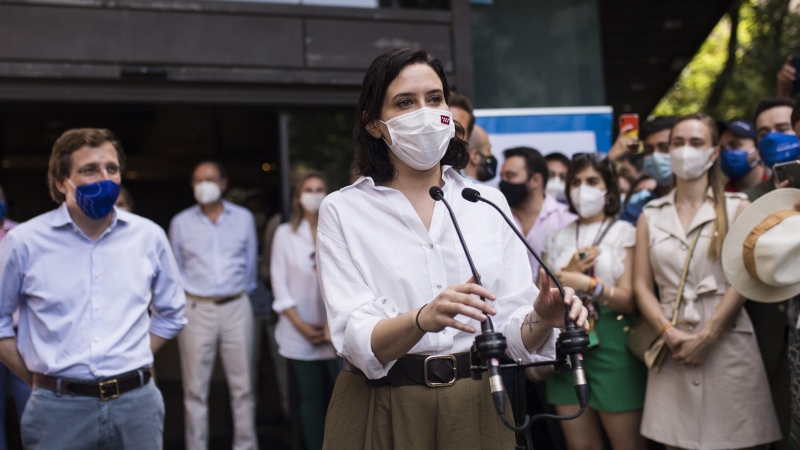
(107, 389)
(433, 371)
(216, 300)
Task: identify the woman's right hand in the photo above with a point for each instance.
(313, 332)
(675, 337)
(578, 264)
(456, 299)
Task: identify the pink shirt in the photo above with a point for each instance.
(7, 226)
(553, 217)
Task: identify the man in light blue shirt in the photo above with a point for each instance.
(215, 245)
(84, 277)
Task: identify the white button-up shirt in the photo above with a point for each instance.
(216, 259)
(376, 260)
(83, 305)
(293, 272)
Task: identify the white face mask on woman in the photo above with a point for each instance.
(689, 163)
(420, 138)
(311, 201)
(587, 200)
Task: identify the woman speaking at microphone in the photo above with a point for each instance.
(402, 308)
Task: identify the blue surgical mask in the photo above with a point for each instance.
(96, 200)
(3, 210)
(778, 148)
(639, 196)
(734, 162)
(659, 167)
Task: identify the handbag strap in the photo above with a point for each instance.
(685, 272)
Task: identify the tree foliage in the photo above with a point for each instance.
(767, 33)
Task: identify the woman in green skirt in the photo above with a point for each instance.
(595, 257)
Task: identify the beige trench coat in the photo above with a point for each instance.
(725, 402)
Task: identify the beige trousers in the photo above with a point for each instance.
(229, 326)
(457, 417)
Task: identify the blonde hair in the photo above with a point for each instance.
(297, 208)
(716, 183)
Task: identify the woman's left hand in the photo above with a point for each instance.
(693, 349)
(550, 306)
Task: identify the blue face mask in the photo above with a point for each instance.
(639, 196)
(659, 166)
(96, 200)
(3, 210)
(778, 148)
(734, 162)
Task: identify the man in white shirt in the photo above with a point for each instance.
(215, 246)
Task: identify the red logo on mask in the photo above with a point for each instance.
(445, 120)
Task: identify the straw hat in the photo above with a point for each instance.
(761, 253)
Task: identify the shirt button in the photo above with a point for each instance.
(96, 339)
(696, 382)
(684, 247)
(94, 368)
(781, 308)
(626, 329)
(444, 331)
(439, 286)
(430, 245)
(96, 306)
(96, 275)
(620, 317)
(394, 309)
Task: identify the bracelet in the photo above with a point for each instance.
(417, 319)
(592, 284)
(598, 291)
(664, 329)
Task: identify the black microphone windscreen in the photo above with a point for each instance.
(470, 195)
(436, 193)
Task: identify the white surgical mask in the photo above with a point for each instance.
(556, 189)
(689, 163)
(587, 200)
(420, 138)
(311, 201)
(206, 192)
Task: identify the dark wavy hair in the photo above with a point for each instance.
(609, 174)
(372, 155)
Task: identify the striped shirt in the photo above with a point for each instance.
(553, 217)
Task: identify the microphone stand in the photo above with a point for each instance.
(571, 343)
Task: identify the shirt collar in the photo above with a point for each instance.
(448, 174)
(61, 217)
(549, 206)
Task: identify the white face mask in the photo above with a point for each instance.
(311, 201)
(420, 138)
(689, 163)
(587, 200)
(206, 192)
(556, 189)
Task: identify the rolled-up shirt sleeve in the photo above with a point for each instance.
(278, 274)
(169, 299)
(11, 273)
(353, 309)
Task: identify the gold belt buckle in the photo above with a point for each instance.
(103, 396)
(455, 370)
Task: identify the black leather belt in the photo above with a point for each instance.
(106, 390)
(433, 371)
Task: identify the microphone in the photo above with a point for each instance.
(572, 340)
(490, 345)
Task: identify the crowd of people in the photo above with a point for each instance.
(377, 305)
